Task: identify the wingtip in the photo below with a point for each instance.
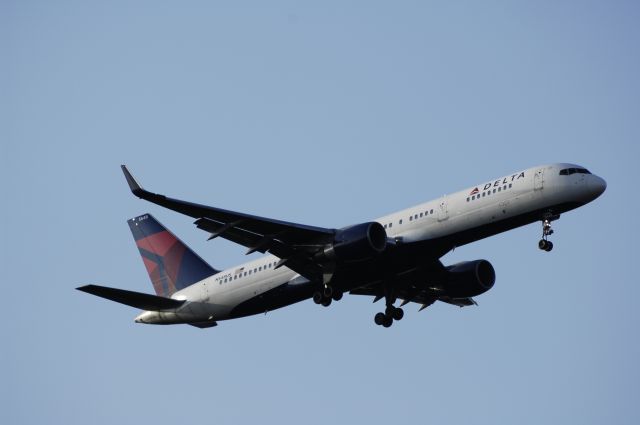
(135, 187)
(85, 288)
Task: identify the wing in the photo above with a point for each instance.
(413, 286)
(293, 243)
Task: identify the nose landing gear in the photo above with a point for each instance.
(545, 244)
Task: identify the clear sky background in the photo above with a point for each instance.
(324, 113)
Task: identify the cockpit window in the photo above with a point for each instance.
(569, 171)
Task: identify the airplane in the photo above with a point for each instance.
(395, 257)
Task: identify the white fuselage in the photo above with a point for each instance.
(508, 197)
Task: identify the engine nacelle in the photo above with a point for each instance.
(469, 278)
(356, 243)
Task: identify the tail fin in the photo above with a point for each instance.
(171, 264)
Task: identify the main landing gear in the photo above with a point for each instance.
(545, 244)
(325, 295)
(391, 313)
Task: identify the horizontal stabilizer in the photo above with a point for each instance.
(131, 298)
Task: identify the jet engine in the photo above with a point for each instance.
(469, 278)
(356, 243)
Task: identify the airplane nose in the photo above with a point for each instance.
(597, 186)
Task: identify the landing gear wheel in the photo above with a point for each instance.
(549, 246)
(379, 319)
(388, 321)
(397, 314)
(317, 297)
(328, 291)
(543, 244)
(326, 302)
(337, 296)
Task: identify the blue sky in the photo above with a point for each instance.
(325, 113)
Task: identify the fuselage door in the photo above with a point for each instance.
(538, 179)
(443, 211)
(206, 291)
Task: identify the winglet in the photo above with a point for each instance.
(135, 187)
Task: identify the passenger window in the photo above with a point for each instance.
(504, 187)
(431, 212)
(390, 225)
(494, 191)
(400, 222)
(484, 194)
(467, 199)
(410, 218)
(420, 215)
(510, 185)
(499, 189)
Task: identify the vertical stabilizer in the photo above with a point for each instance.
(171, 264)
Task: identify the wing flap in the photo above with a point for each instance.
(131, 298)
(460, 302)
(295, 258)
